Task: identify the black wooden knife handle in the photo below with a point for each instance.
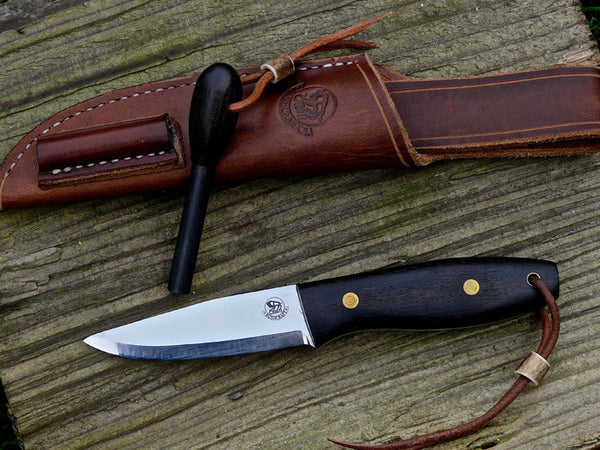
(441, 294)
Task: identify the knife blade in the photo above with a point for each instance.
(436, 295)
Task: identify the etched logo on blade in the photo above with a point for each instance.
(304, 107)
(275, 309)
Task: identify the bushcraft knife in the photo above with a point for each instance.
(436, 295)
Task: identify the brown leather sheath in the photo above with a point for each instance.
(333, 114)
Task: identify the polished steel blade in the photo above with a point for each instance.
(244, 323)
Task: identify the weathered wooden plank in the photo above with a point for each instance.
(67, 271)
(13, 15)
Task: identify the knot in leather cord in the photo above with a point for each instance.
(550, 330)
(283, 65)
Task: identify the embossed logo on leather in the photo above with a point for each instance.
(304, 107)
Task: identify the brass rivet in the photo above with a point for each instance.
(471, 287)
(350, 300)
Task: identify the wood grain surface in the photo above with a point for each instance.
(68, 271)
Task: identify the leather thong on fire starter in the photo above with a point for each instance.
(339, 113)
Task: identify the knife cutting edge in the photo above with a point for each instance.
(436, 295)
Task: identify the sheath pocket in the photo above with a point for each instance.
(110, 151)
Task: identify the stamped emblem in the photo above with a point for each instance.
(275, 309)
(304, 107)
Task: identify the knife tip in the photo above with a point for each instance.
(101, 343)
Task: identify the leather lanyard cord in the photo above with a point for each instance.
(550, 330)
(283, 65)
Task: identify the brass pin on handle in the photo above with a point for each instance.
(211, 125)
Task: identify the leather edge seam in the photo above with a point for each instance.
(401, 157)
(81, 111)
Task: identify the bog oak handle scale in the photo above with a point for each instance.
(211, 125)
(441, 294)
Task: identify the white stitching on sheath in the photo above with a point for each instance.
(69, 169)
(78, 113)
(137, 94)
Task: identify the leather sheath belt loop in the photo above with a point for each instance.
(359, 115)
(531, 370)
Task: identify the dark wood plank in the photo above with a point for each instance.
(71, 270)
